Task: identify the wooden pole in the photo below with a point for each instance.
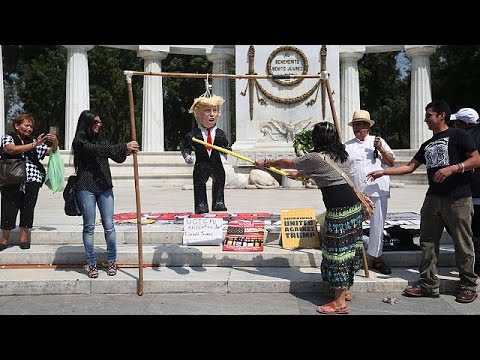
(223, 76)
(323, 67)
(137, 189)
(332, 108)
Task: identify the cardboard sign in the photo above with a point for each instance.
(244, 235)
(299, 229)
(202, 231)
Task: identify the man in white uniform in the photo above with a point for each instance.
(368, 153)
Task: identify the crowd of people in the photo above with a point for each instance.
(452, 200)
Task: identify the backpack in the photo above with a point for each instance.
(69, 195)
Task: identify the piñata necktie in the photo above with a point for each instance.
(209, 140)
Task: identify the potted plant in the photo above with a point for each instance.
(302, 142)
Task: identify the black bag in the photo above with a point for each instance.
(12, 171)
(70, 196)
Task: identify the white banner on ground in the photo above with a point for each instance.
(202, 231)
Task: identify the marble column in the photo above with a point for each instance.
(2, 96)
(420, 92)
(221, 87)
(153, 132)
(77, 89)
(349, 90)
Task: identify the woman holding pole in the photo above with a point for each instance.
(342, 244)
(91, 152)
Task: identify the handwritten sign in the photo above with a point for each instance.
(202, 231)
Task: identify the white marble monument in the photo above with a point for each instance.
(269, 112)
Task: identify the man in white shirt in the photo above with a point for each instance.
(368, 153)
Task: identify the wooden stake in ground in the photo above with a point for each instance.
(137, 189)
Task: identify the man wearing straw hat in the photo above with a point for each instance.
(206, 109)
(368, 153)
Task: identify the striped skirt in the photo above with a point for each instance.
(342, 246)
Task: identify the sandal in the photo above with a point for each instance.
(379, 265)
(112, 269)
(92, 271)
(331, 308)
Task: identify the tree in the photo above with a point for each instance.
(455, 73)
(109, 91)
(41, 88)
(24, 74)
(35, 76)
(178, 96)
(385, 94)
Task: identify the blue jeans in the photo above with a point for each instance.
(105, 201)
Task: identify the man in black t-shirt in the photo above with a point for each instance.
(448, 155)
(467, 118)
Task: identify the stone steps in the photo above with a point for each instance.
(208, 256)
(51, 281)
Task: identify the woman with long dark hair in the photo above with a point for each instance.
(91, 152)
(342, 239)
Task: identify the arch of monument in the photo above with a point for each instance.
(268, 113)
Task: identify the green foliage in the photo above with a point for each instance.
(303, 142)
(455, 74)
(386, 96)
(178, 96)
(109, 91)
(40, 84)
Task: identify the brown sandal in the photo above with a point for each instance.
(112, 269)
(331, 308)
(92, 271)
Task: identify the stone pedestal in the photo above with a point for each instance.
(269, 112)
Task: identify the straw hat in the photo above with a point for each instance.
(361, 115)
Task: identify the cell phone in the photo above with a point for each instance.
(52, 130)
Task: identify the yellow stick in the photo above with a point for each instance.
(226, 151)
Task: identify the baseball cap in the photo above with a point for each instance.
(467, 115)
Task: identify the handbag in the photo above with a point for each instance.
(12, 171)
(70, 196)
(367, 204)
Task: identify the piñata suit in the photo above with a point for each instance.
(207, 165)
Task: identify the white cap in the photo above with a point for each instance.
(467, 115)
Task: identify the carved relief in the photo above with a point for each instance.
(279, 130)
